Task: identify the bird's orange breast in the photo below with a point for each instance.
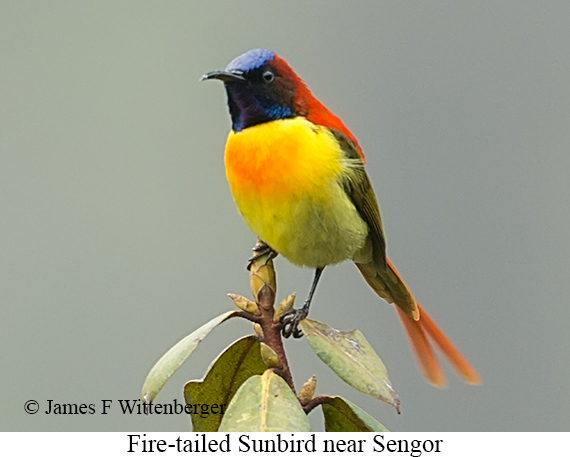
(280, 159)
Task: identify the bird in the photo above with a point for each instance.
(297, 176)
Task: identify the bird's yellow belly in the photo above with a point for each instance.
(286, 177)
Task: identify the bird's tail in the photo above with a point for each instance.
(421, 330)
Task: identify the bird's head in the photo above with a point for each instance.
(262, 87)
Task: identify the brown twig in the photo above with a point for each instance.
(248, 316)
(316, 401)
(264, 288)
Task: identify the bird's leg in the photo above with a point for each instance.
(260, 250)
(291, 318)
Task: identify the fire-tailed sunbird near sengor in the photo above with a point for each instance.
(297, 177)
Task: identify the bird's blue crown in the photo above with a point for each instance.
(251, 60)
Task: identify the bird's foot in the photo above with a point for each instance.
(260, 250)
(290, 321)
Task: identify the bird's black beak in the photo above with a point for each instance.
(225, 76)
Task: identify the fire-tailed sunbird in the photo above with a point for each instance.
(297, 177)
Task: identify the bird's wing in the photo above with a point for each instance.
(359, 189)
(379, 273)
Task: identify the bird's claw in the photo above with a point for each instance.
(290, 321)
(260, 251)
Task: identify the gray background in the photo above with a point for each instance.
(118, 234)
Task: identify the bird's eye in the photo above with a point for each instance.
(268, 76)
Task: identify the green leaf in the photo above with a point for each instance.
(342, 415)
(237, 363)
(176, 355)
(265, 404)
(352, 358)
